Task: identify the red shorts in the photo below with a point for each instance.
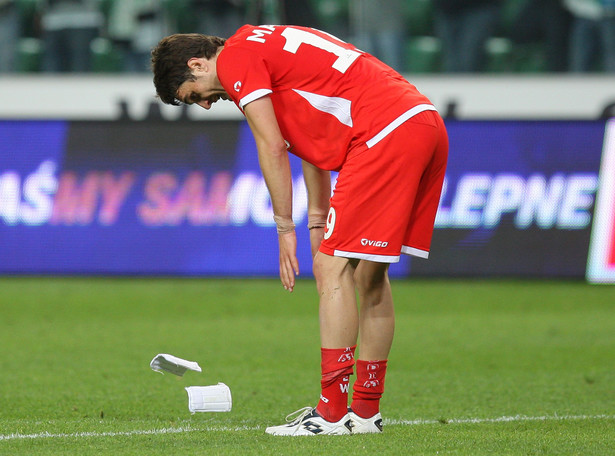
(387, 192)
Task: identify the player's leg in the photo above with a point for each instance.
(377, 326)
(376, 316)
(419, 150)
(338, 314)
(339, 327)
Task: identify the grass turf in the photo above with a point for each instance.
(74, 374)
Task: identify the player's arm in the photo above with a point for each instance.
(318, 184)
(275, 166)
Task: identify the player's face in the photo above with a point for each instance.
(201, 92)
(205, 89)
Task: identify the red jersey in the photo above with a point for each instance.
(328, 96)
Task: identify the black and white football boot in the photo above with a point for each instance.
(361, 425)
(307, 421)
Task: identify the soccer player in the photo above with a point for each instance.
(306, 92)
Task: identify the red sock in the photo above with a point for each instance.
(368, 387)
(336, 367)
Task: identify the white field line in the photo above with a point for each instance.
(179, 430)
(502, 419)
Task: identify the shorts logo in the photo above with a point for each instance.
(237, 86)
(330, 223)
(381, 244)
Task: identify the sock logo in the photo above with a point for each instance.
(346, 356)
(344, 384)
(373, 381)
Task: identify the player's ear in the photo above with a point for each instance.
(196, 63)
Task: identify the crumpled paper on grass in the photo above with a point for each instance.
(164, 362)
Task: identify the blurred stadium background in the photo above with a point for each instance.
(98, 178)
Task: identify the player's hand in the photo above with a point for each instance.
(289, 265)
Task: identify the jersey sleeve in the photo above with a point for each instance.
(243, 74)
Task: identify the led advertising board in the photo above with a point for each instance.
(187, 198)
(601, 262)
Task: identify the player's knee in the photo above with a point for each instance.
(327, 268)
(370, 276)
(321, 267)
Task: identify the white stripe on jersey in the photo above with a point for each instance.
(260, 93)
(336, 106)
(397, 122)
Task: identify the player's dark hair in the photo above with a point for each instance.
(170, 61)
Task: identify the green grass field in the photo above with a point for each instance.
(478, 367)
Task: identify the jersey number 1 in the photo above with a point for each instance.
(296, 37)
